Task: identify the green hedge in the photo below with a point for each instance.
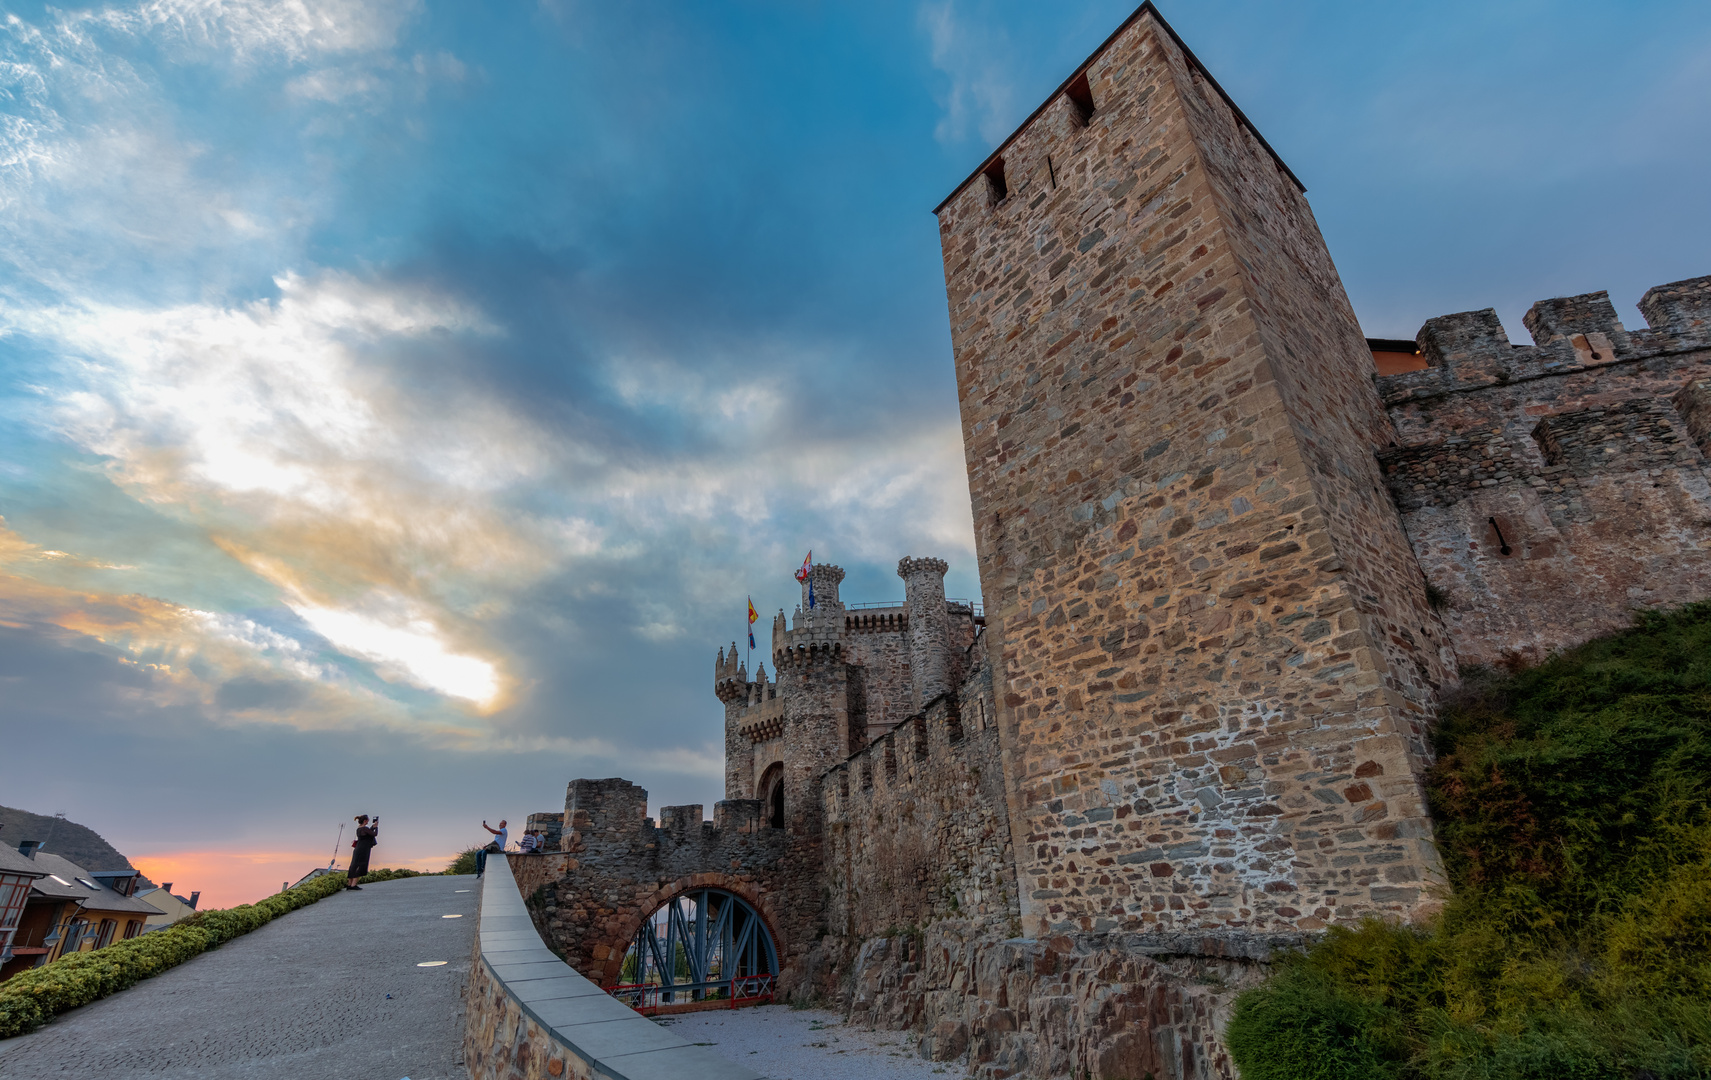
(1573, 808)
(391, 875)
(31, 998)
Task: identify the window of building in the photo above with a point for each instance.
(14, 890)
(995, 184)
(105, 937)
(772, 795)
(1081, 96)
(133, 928)
(87, 884)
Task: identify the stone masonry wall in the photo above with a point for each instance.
(617, 868)
(1582, 454)
(877, 640)
(916, 827)
(1203, 618)
(1091, 1007)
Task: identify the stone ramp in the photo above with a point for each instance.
(306, 995)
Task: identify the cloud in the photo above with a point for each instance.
(269, 424)
(409, 645)
(246, 29)
(981, 95)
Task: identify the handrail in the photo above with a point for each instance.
(972, 605)
(739, 991)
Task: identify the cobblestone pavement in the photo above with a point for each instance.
(304, 996)
(782, 1043)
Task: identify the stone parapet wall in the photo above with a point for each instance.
(916, 826)
(529, 1016)
(1550, 490)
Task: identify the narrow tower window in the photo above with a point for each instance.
(1081, 96)
(995, 180)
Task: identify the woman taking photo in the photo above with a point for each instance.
(366, 837)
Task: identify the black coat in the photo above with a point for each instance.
(366, 837)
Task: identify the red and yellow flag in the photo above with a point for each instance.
(753, 614)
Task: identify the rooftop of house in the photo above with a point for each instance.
(65, 880)
(16, 862)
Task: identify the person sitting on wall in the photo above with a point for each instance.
(500, 835)
(527, 844)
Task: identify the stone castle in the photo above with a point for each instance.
(1230, 553)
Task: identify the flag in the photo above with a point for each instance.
(751, 641)
(753, 614)
(802, 575)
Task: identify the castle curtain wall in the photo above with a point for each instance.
(1583, 455)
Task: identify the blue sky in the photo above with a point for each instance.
(399, 400)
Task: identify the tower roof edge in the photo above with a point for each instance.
(1147, 8)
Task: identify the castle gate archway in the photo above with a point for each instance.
(704, 947)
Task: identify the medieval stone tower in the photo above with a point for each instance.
(1218, 652)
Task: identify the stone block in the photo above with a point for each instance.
(1681, 307)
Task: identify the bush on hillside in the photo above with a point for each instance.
(464, 863)
(31, 998)
(1574, 816)
(387, 875)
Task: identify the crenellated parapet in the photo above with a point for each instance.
(730, 676)
(1469, 350)
(817, 628)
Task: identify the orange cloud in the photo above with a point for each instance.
(243, 876)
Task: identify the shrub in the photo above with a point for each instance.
(387, 875)
(1573, 807)
(31, 998)
(464, 863)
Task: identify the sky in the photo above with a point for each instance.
(400, 400)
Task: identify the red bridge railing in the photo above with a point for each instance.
(646, 998)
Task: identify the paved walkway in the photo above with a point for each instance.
(304, 996)
(807, 1044)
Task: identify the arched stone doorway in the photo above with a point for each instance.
(771, 791)
(704, 947)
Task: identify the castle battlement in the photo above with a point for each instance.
(1469, 351)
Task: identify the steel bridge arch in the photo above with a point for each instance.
(699, 942)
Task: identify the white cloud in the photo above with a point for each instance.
(411, 647)
(326, 476)
(981, 95)
(291, 29)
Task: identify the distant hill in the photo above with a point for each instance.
(67, 839)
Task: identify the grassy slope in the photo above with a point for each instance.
(1572, 809)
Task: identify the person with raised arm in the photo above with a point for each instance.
(500, 835)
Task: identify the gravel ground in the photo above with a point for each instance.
(328, 991)
(807, 1044)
